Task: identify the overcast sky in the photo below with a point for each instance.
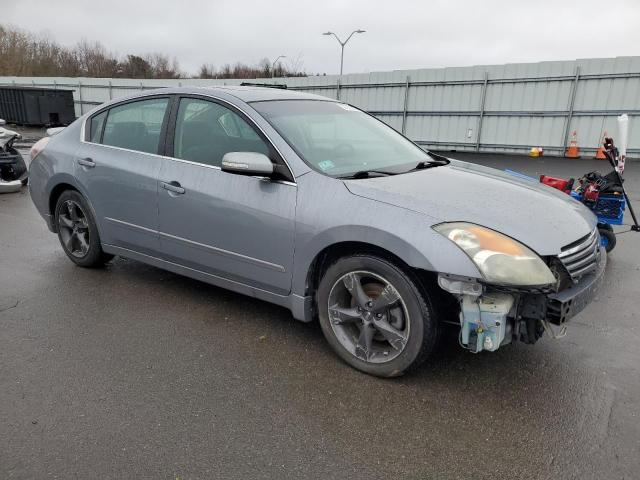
(400, 34)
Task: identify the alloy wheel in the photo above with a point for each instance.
(74, 228)
(368, 316)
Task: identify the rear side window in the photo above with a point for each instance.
(205, 131)
(136, 125)
(97, 123)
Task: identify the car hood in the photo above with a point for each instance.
(541, 217)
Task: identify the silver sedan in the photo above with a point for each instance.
(312, 204)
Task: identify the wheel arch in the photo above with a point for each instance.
(57, 188)
(346, 239)
(443, 303)
(314, 257)
(325, 257)
(55, 194)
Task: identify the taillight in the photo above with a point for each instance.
(38, 147)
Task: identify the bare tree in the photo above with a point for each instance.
(207, 70)
(26, 54)
(241, 70)
(296, 64)
(162, 66)
(94, 60)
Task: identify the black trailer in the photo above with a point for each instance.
(36, 106)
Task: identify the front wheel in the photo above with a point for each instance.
(78, 232)
(375, 316)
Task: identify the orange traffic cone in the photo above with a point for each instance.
(600, 153)
(573, 151)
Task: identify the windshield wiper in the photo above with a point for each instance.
(366, 174)
(439, 158)
(425, 165)
(438, 161)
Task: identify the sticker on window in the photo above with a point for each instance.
(326, 165)
(349, 108)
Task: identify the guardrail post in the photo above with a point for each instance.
(110, 90)
(483, 97)
(338, 89)
(141, 87)
(406, 101)
(55, 85)
(572, 99)
(80, 96)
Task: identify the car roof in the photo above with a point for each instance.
(249, 94)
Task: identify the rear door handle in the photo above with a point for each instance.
(87, 162)
(173, 187)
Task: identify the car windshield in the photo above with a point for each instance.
(339, 140)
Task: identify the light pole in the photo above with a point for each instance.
(342, 44)
(273, 66)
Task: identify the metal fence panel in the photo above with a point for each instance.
(505, 108)
(447, 129)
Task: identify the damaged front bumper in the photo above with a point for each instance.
(493, 316)
(13, 171)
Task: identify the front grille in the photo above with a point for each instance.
(582, 256)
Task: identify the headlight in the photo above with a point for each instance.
(499, 258)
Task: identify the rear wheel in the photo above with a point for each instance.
(77, 231)
(375, 316)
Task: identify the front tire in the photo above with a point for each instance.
(375, 316)
(78, 232)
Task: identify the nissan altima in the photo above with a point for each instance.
(315, 205)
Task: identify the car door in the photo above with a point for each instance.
(234, 226)
(118, 166)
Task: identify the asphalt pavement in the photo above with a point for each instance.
(134, 372)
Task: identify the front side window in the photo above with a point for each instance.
(338, 140)
(136, 125)
(206, 130)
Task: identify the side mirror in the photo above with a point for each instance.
(247, 163)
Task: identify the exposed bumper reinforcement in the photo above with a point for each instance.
(563, 306)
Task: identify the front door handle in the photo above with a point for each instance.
(87, 162)
(173, 187)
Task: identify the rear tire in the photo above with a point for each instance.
(384, 328)
(78, 232)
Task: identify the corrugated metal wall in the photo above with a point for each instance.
(494, 108)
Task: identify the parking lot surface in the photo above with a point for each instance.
(134, 372)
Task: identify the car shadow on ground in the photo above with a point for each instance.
(487, 392)
(219, 308)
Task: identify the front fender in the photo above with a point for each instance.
(328, 214)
